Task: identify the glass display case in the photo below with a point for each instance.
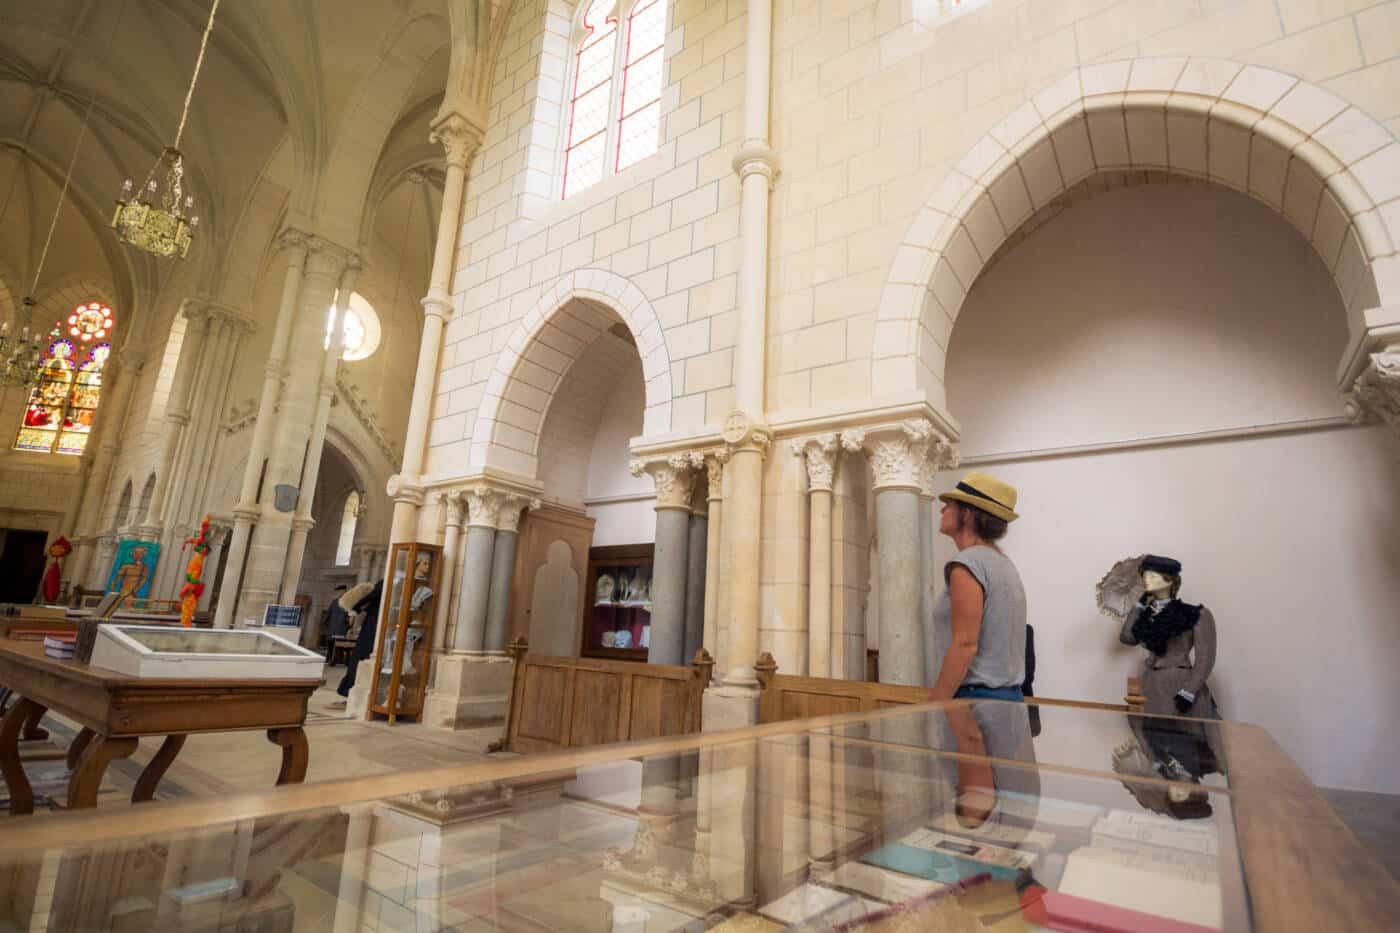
(406, 631)
(617, 614)
(952, 817)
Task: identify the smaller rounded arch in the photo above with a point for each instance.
(1325, 166)
(533, 363)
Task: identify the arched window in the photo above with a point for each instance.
(63, 406)
(362, 330)
(349, 518)
(615, 106)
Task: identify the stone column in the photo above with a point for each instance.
(302, 522)
(296, 412)
(461, 138)
(941, 455)
(247, 510)
(177, 409)
(674, 478)
(483, 514)
(897, 454)
(448, 584)
(1375, 395)
(714, 491)
(819, 453)
(503, 571)
(111, 427)
(695, 579)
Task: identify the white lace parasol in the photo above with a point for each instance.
(1120, 589)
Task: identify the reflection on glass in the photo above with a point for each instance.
(942, 820)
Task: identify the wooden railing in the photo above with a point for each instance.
(558, 702)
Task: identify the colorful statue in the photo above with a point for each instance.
(194, 571)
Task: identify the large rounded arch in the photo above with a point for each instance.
(538, 355)
(1325, 166)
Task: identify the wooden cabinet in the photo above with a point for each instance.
(617, 603)
(406, 630)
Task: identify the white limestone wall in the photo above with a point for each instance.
(1089, 333)
(874, 103)
(669, 225)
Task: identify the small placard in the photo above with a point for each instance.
(284, 497)
(282, 616)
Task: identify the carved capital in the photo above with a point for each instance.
(755, 157)
(741, 433)
(456, 509)
(436, 304)
(513, 509)
(899, 455)
(1375, 396)
(405, 489)
(819, 454)
(457, 135)
(714, 467)
(674, 476)
(326, 258)
(292, 242)
(484, 507)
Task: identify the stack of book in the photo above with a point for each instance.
(61, 647)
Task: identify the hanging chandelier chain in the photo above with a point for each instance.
(198, 63)
(63, 193)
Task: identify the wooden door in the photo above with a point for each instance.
(554, 543)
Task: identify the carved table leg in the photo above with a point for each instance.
(150, 778)
(294, 753)
(101, 751)
(32, 732)
(80, 742)
(21, 794)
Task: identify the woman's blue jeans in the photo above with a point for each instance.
(969, 692)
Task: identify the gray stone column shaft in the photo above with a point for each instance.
(901, 635)
(498, 602)
(668, 578)
(932, 656)
(696, 556)
(476, 587)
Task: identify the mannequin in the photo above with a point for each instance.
(1180, 640)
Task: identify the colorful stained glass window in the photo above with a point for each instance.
(63, 406)
(610, 129)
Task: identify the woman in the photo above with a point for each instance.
(981, 614)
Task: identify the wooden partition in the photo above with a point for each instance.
(560, 702)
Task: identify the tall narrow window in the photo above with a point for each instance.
(615, 107)
(62, 408)
(349, 518)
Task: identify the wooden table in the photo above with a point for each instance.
(340, 647)
(115, 710)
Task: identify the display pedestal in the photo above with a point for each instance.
(470, 690)
(729, 707)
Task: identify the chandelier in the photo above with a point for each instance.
(157, 218)
(20, 355)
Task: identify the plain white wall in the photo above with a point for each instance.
(1212, 314)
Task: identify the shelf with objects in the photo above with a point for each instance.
(942, 816)
(406, 631)
(617, 611)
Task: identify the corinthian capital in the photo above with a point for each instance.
(899, 455)
(484, 507)
(674, 476)
(1376, 393)
(459, 136)
(819, 454)
(513, 508)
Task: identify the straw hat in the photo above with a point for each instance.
(984, 491)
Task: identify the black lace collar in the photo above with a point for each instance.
(1155, 627)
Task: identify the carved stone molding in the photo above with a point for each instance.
(513, 509)
(458, 136)
(674, 476)
(756, 157)
(819, 453)
(899, 455)
(405, 489)
(1375, 396)
(740, 433)
(714, 466)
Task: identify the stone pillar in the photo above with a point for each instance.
(897, 456)
(461, 138)
(177, 409)
(714, 491)
(695, 580)
(502, 572)
(302, 523)
(247, 511)
(448, 584)
(819, 453)
(941, 455)
(483, 514)
(296, 412)
(674, 478)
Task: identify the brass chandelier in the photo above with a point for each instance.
(157, 218)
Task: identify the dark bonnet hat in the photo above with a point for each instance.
(1160, 564)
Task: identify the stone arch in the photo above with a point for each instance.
(1325, 166)
(538, 355)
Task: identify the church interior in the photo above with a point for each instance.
(644, 465)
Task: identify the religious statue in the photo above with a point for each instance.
(130, 578)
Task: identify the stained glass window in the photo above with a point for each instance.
(610, 129)
(63, 406)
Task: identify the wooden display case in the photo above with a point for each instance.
(617, 603)
(406, 631)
